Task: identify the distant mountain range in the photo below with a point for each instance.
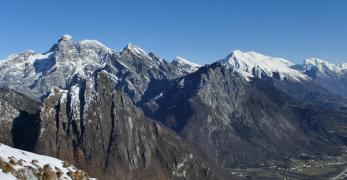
(131, 115)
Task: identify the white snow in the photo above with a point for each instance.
(136, 50)
(31, 57)
(185, 65)
(4, 176)
(323, 66)
(75, 102)
(21, 70)
(66, 37)
(158, 96)
(32, 160)
(181, 83)
(93, 43)
(185, 61)
(252, 64)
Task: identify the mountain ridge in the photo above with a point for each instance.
(35, 74)
(241, 58)
(97, 105)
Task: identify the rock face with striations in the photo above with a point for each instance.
(86, 116)
(238, 121)
(242, 110)
(98, 128)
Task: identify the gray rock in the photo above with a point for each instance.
(99, 129)
(18, 117)
(237, 122)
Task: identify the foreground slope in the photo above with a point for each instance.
(18, 164)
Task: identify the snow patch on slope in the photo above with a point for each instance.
(28, 163)
(28, 56)
(4, 176)
(180, 60)
(93, 44)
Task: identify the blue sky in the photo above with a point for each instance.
(201, 30)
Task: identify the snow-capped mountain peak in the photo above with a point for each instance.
(66, 37)
(253, 64)
(316, 62)
(35, 74)
(63, 40)
(185, 65)
(324, 67)
(54, 68)
(134, 50)
(180, 60)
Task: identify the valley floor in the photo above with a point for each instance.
(328, 167)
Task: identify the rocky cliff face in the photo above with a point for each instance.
(98, 128)
(242, 110)
(237, 121)
(86, 116)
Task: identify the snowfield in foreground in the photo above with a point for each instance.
(18, 164)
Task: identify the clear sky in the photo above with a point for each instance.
(201, 30)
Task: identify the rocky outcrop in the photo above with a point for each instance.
(18, 118)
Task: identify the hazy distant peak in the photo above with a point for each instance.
(183, 61)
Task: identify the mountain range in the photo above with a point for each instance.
(130, 114)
